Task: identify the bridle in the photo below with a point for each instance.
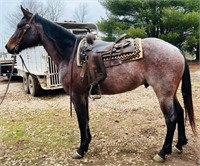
(26, 27)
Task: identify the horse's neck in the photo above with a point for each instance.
(57, 42)
(51, 50)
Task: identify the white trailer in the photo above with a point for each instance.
(37, 68)
(38, 71)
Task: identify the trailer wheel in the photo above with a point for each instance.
(34, 86)
(25, 83)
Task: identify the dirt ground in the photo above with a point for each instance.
(127, 129)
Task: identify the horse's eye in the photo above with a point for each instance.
(19, 27)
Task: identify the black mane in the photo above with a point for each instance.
(63, 40)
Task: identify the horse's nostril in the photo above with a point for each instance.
(6, 46)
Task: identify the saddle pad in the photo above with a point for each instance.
(135, 53)
(117, 58)
(78, 53)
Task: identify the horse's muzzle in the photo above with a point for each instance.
(11, 50)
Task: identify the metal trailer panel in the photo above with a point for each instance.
(53, 80)
(34, 59)
(41, 65)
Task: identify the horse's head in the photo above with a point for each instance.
(25, 35)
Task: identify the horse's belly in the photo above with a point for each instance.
(120, 81)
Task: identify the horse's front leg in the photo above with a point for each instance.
(81, 107)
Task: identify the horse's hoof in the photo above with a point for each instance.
(77, 156)
(158, 158)
(176, 150)
(198, 161)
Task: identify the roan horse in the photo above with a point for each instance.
(162, 67)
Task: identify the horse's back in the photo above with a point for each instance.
(161, 49)
(160, 54)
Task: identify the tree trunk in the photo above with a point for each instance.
(197, 52)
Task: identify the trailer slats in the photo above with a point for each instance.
(53, 73)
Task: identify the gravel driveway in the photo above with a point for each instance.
(127, 129)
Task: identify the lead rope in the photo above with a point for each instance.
(71, 75)
(9, 80)
(24, 65)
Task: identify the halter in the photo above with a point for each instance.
(26, 27)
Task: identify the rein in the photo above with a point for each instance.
(71, 75)
(9, 80)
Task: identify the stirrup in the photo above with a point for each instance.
(93, 97)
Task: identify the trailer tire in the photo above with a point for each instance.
(34, 86)
(25, 83)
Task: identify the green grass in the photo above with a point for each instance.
(37, 133)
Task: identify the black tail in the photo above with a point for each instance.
(187, 97)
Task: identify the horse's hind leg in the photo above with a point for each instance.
(182, 140)
(167, 107)
(81, 107)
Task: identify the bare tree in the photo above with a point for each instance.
(81, 12)
(55, 9)
(34, 6)
(52, 11)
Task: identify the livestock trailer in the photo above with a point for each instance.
(38, 69)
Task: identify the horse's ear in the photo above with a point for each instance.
(26, 13)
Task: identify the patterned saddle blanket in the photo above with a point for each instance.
(113, 53)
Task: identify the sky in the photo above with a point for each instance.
(96, 11)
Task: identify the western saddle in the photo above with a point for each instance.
(96, 55)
